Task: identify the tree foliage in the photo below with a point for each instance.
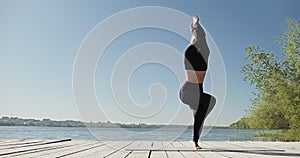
(277, 102)
(241, 124)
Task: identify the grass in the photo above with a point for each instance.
(291, 135)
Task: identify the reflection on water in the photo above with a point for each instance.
(111, 134)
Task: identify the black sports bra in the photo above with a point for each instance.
(194, 60)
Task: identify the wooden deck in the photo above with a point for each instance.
(146, 149)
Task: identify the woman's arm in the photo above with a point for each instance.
(196, 34)
(196, 30)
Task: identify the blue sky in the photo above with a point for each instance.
(40, 39)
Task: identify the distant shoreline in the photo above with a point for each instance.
(15, 121)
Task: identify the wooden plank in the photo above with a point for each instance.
(82, 152)
(31, 147)
(168, 147)
(157, 145)
(137, 154)
(210, 153)
(146, 144)
(7, 141)
(248, 146)
(71, 150)
(231, 150)
(273, 145)
(202, 152)
(173, 154)
(158, 154)
(220, 148)
(108, 147)
(45, 151)
(59, 150)
(68, 146)
(19, 144)
(158, 149)
(34, 143)
(187, 154)
(112, 148)
(35, 152)
(135, 144)
(273, 148)
(96, 152)
(120, 151)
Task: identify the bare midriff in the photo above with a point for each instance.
(195, 76)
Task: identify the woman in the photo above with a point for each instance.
(191, 93)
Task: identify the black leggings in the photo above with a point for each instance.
(192, 94)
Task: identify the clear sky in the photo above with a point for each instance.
(39, 40)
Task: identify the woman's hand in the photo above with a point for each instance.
(195, 19)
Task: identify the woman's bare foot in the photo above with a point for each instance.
(197, 147)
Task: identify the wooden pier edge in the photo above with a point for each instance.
(148, 149)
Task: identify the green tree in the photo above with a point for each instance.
(241, 124)
(277, 102)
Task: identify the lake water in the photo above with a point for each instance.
(112, 134)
